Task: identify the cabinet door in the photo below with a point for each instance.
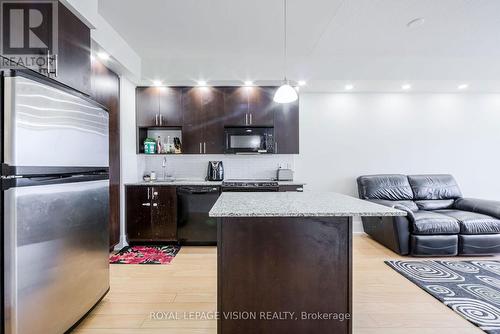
(262, 106)
(192, 127)
(170, 106)
(286, 128)
(73, 54)
(164, 213)
(236, 105)
(213, 121)
(138, 213)
(147, 106)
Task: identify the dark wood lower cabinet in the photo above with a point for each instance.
(151, 213)
(138, 213)
(164, 213)
(269, 266)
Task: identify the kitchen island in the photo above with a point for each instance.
(285, 261)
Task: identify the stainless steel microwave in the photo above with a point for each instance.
(241, 140)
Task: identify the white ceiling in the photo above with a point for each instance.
(330, 42)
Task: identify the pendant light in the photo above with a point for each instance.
(285, 93)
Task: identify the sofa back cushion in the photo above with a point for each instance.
(434, 187)
(435, 204)
(392, 187)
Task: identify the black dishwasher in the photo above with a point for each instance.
(194, 226)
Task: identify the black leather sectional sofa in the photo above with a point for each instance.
(439, 222)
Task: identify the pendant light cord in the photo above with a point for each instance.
(285, 38)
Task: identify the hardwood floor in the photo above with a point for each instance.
(383, 301)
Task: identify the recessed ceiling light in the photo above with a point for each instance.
(417, 22)
(463, 86)
(202, 83)
(348, 87)
(248, 83)
(103, 55)
(406, 87)
(301, 83)
(157, 82)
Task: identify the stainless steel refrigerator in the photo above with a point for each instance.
(54, 204)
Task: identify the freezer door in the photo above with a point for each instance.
(56, 254)
(45, 126)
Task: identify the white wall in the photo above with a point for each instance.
(131, 164)
(343, 136)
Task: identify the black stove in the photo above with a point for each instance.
(250, 185)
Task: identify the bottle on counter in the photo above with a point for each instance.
(158, 144)
(149, 146)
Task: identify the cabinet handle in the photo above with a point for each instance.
(155, 193)
(246, 119)
(161, 116)
(146, 204)
(275, 147)
(149, 189)
(48, 62)
(156, 119)
(205, 147)
(155, 204)
(56, 67)
(201, 151)
(250, 119)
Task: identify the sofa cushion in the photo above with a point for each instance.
(431, 222)
(409, 204)
(438, 186)
(435, 204)
(392, 187)
(472, 222)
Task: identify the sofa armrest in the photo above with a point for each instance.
(391, 204)
(486, 207)
(409, 213)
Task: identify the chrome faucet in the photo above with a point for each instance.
(164, 167)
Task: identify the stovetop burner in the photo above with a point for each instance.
(249, 183)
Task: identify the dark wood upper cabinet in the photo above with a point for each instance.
(159, 106)
(236, 106)
(170, 106)
(203, 112)
(213, 120)
(147, 106)
(203, 120)
(73, 52)
(164, 213)
(248, 106)
(138, 213)
(286, 128)
(192, 135)
(261, 106)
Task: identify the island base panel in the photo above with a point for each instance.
(280, 265)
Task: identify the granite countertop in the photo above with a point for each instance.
(199, 182)
(297, 204)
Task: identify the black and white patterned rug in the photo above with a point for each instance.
(470, 288)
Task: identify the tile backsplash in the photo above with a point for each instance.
(235, 166)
